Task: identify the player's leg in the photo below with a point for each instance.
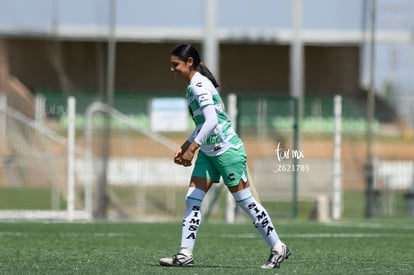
(233, 170)
(204, 175)
(192, 218)
(262, 221)
(191, 223)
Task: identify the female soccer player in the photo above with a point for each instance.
(222, 154)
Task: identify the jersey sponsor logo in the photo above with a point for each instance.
(203, 97)
(214, 139)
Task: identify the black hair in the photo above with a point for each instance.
(185, 51)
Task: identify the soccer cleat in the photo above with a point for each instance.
(179, 259)
(277, 257)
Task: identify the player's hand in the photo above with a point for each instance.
(188, 155)
(179, 160)
(178, 156)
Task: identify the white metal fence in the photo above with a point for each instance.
(142, 182)
(34, 170)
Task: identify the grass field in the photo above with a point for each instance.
(392, 205)
(367, 247)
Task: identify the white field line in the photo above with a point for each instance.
(71, 234)
(343, 235)
(14, 234)
(316, 235)
(371, 225)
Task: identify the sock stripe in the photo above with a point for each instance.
(192, 198)
(245, 199)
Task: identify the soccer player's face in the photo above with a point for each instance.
(180, 69)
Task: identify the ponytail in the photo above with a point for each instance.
(185, 51)
(202, 69)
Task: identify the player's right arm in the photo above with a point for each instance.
(178, 154)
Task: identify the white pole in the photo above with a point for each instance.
(210, 42)
(337, 173)
(90, 179)
(3, 116)
(230, 208)
(232, 109)
(40, 105)
(230, 204)
(371, 210)
(296, 84)
(297, 55)
(71, 158)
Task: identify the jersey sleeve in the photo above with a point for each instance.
(202, 94)
(208, 126)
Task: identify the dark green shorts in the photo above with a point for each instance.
(231, 166)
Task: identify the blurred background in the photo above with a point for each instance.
(321, 91)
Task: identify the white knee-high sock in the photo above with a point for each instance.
(192, 219)
(258, 214)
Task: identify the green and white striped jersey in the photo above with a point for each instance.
(200, 93)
